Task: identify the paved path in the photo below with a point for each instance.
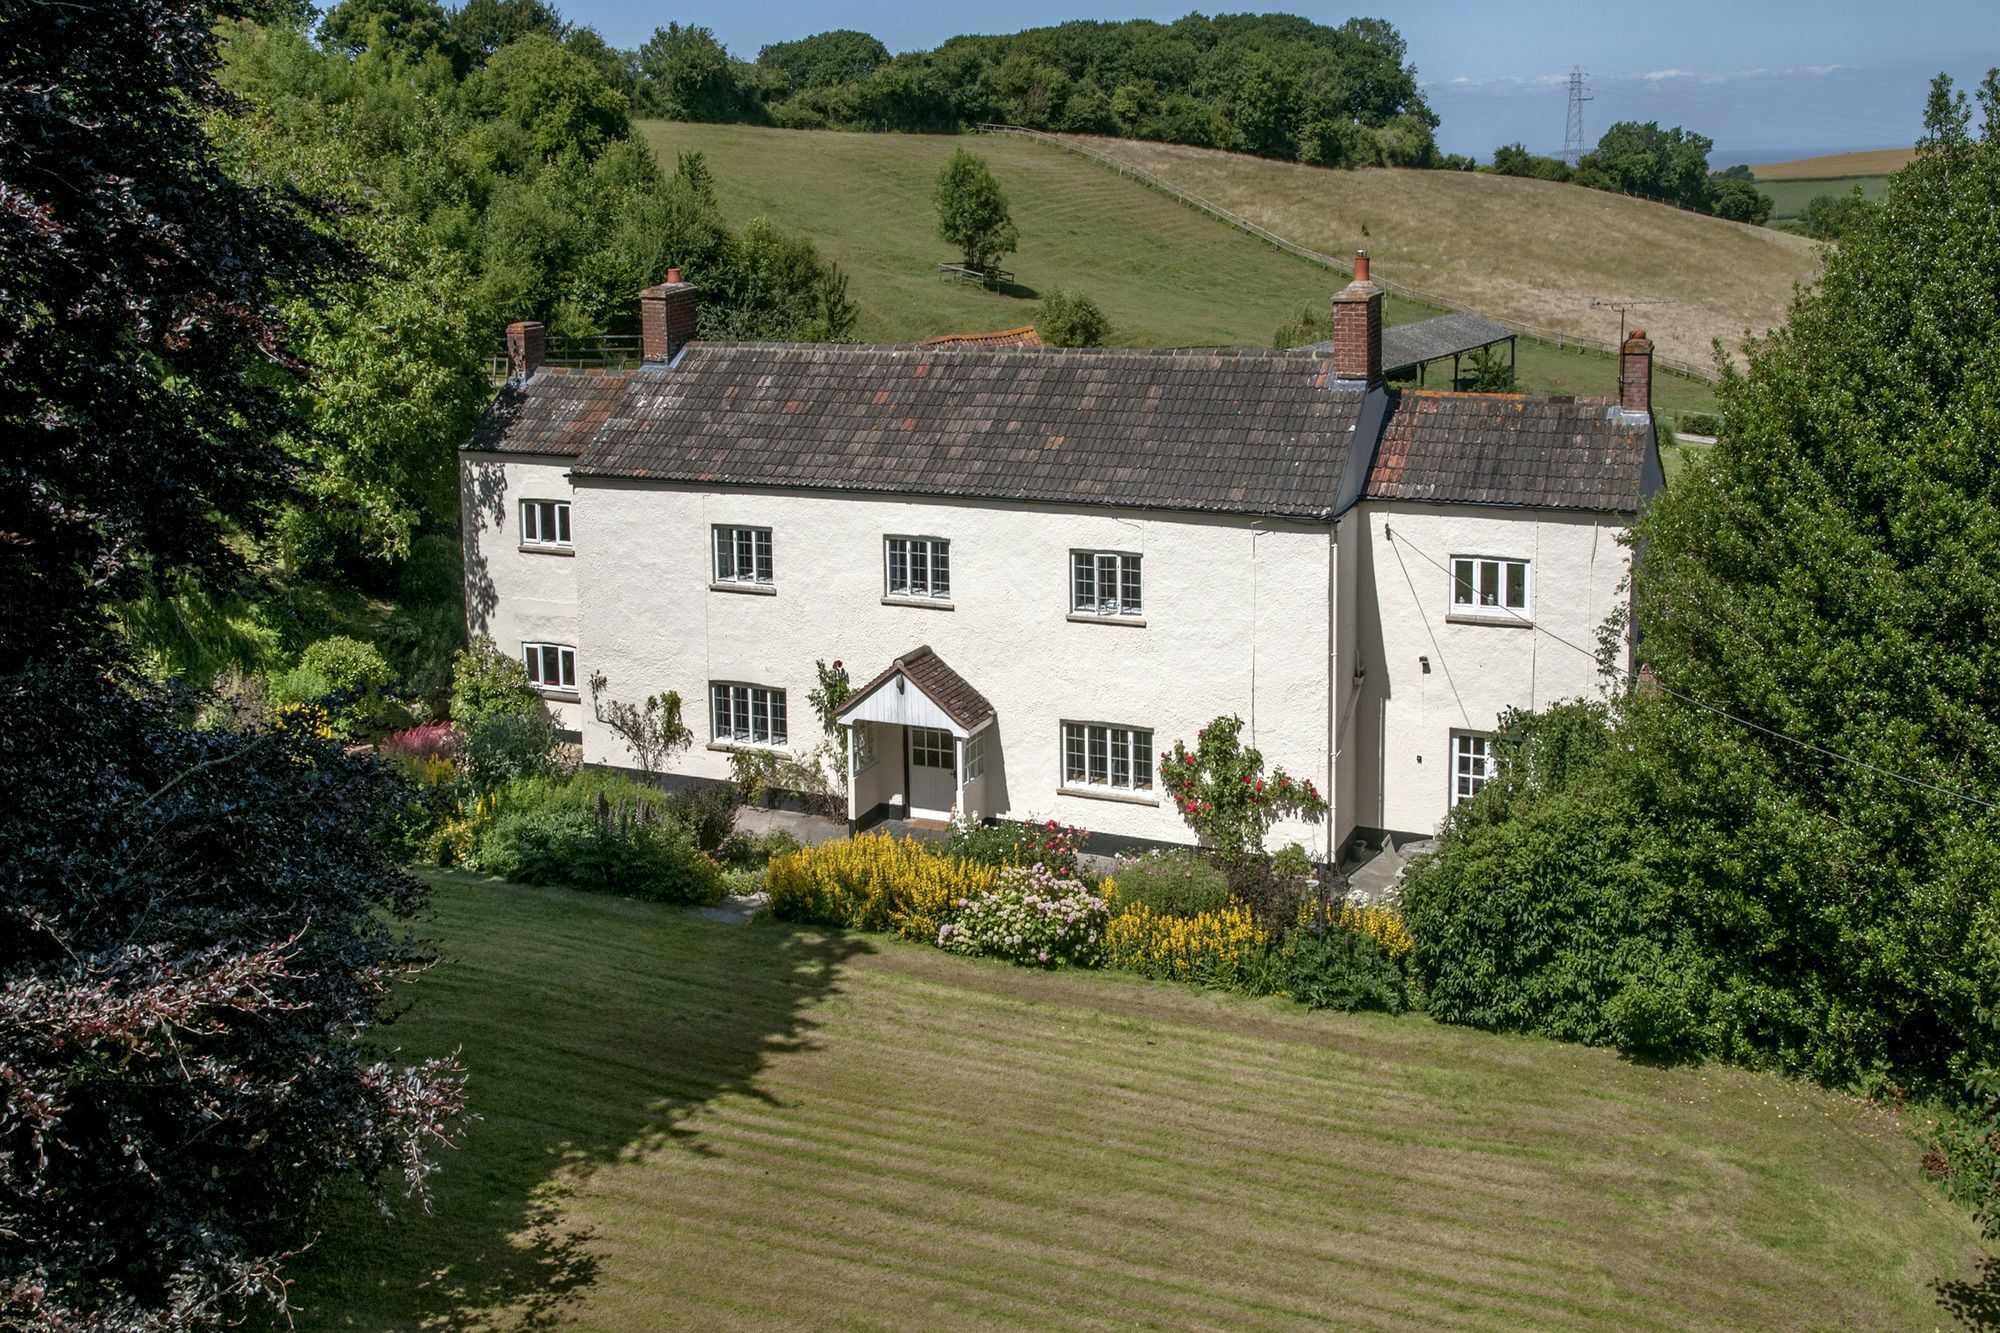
(736, 911)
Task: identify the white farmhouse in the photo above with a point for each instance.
(1048, 565)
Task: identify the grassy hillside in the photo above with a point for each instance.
(1874, 162)
(1531, 250)
(1166, 275)
(695, 1125)
(1790, 196)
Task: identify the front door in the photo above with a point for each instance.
(933, 773)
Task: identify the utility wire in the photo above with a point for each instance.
(1724, 713)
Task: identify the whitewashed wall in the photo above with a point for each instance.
(1237, 621)
(1405, 717)
(516, 596)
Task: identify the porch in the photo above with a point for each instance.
(922, 747)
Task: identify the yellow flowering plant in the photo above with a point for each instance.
(875, 882)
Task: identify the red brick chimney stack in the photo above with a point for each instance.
(1357, 328)
(1635, 373)
(527, 348)
(667, 317)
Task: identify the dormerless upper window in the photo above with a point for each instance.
(747, 714)
(1471, 764)
(742, 555)
(545, 522)
(1484, 585)
(1104, 583)
(919, 567)
(551, 666)
(1104, 756)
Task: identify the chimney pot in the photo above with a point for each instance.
(527, 348)
(1361, 266)
(667, 317)
(1635, 373)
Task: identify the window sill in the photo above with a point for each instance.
(1510, 621)
(753, 589)
(1109, 794)
(534, 548)
(925, 603)
(558, 696)
(749, 747)
(1086, 618)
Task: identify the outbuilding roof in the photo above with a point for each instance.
(1407, 346)
(1254, 433)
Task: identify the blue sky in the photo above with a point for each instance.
(1761, 78)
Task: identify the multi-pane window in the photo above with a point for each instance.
(747, 714)
(862, 737)
(975, 757)
(931, 748)
(551, 666)
(1104, 583)
(919, 567)
(1482, 585)
(545, 523)
(1104, 756)
(1471, 764)
(742, 555)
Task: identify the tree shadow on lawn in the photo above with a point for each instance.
(576, 1062)
(1976, 1303)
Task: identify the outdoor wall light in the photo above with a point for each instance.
(1425, 663)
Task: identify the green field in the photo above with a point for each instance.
(1790, 197)
(694, 1125)
(1165, 275)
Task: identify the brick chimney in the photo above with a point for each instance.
(667, 317)
(527, 348)
(1357, 328)
(1635, 373)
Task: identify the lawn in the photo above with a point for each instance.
(697, 1125)
(1789, 198)
(1165, 275)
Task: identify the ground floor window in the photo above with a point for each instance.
(1098, 755)
(930, 748)
(975, 757)
(551, 666)
(747, 714)
(1471, 764)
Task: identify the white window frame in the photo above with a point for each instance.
(550, 528)
(534, 656)
(738, 711)
(1471, 763)
(861, 736)
(932, 747)
(1112, 750)
(1486, 587)
(1089, 571)
(727, 549)
(975, 757)
(935, 553)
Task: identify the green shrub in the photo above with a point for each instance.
(1700, 423)
(486, 682)
(346, 677)
(598, 832)
(708, 811)
(988, 844)
(1333, 968)
(1070, 319)
(504, 747)
(1174, 883)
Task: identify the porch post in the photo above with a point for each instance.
(958, 775)
(852, 775)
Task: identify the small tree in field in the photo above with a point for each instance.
(1071, 319)
(972, 211)
(1225, 795)
(652, 731)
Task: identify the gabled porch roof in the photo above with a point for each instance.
(918, 689)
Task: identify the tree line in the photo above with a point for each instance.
(1640, 158)
(1271, 84)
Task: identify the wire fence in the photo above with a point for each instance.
(1554, 337)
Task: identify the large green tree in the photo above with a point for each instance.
(1786, 848)
(972, 210)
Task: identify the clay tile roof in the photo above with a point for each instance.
(1233, 432)
(1025, 336)
(554, 411)
(1509, 449)
(940, 684)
